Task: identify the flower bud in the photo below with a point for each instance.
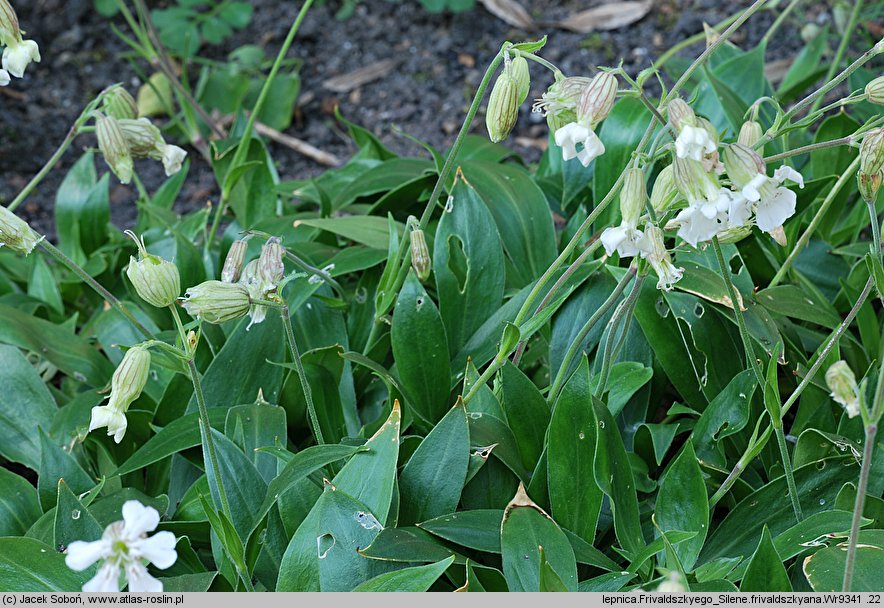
(672, 584)
(519, 72)
(693, 181)
(681, 114)
(736, 234)
(420, 254)
(9, 28)
(233, 263)
(129, 378)
(216, 302)
(875, 91)
(16, 234)
(503, 107)
(742, 164)
(155, 280)
(559, 103)
(113, 146)
(118, 103)
(869, 184)
(842, 384)
(251, 281)
(597, 99)
(664, 193)
(146, 141)
(750, 133)
(271, 268)
(871, 152)
(658, 258)
(633, 196)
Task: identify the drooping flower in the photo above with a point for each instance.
(843, 387)
(16, 233)
(709, 204)
(155, 280)
(18, 55)
(626, 239)
(693, 138)
(126, 385)
(146, 141)
(574, 135)
(125, 547)
(655, 253)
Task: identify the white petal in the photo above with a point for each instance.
(159, 549)
(567, 138)
(140, 580)
(783, 173)
(139, 519)
(81, 555)
(106, 580)
(750, 190)
(696, 227)
(739, 211)
(693, 143)
(17, 56)
(173, 156)
(775, 210)
(4, 78)
(112, 418)
(592, 149)
(612, 237)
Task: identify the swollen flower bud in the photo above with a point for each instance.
(233, 263)
(869, 184)
(118, 103)
(113, 146)
(742, 164)
(681, 114)
(126, 385)
(664, 192)
(271, 268)
(155, 280)
(518, 69)
(842, 384)
(216, 302)
(503, 107)
(693, 181)
(871, 152)
(633, 196)
(146, 141)
(875, 91)
(656, 254)
(9, 28)
(750, 133)
(420, 254)
(597, 99)
(16, 234)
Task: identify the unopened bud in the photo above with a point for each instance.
(155, 280)
(742, 164)
(664, 192)
(233, 263)
(503, 107)
(750, 133)
(118, 103)
(114, 148)
(843, 387)
(271, 268)
(693, 181)
(216, 302)
(597, 99)
(16, 233)
(659, 259)
(129, 378)
(420, 254)
(9, 28)
(736, 234)
(869, 184)
(875, 91)
(871, 152)
(681, 114)
(519, 72)
(633, 196)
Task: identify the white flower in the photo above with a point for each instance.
(704, 218)
(693, 143)
(18, 55)
(125, 546)
(572, 135)
(172, 157)
(626, 240)
(671, 584)
(4, 78)
(112, 417)
(773, 203)
(655, 253)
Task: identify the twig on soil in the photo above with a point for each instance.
(298, 145)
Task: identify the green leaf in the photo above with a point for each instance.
(825, 569)
(19, 507)
(549, 579)
(73, 521)
(370, 476)
(431, 482)
(793, 302)
(833, 160)
(682, 504)
(56, 464)
(27, 565)
(256, 426)
(82, 210)
(414, 580)
(525, 529)
(371, 231)
(806, 68)
(766, 571)
(477, 529)
(608, 582)
(407, 545)
(575, 498)
(181, 434)
(323, 556)
(26, 404)
(468, 265)
(526, 412)
(420, 349)
(725, 415)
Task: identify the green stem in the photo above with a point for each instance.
(753, 449)
(182, 333)
(699, 37)
(876, 229)
(302, 375)
(846, 37)
(781, 18)
(859, 504)
(577, 342)
(738, 313)
(243, 147)
(802, 241)
(787, 467)
(841, 141)
(61, 258)
(624, 311)
(209, 445)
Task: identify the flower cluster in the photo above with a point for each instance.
(125, 547)
(18, 52)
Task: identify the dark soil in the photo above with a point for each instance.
(441, 60)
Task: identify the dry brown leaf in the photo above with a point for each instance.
(607, 16)
(510, 11)
(355, 79)
(777, 69)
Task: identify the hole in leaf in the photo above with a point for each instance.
(324, 544)
(458, 263)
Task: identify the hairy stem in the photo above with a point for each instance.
(859, 504)
(623, 311)
(841, 141)
(787, 467)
